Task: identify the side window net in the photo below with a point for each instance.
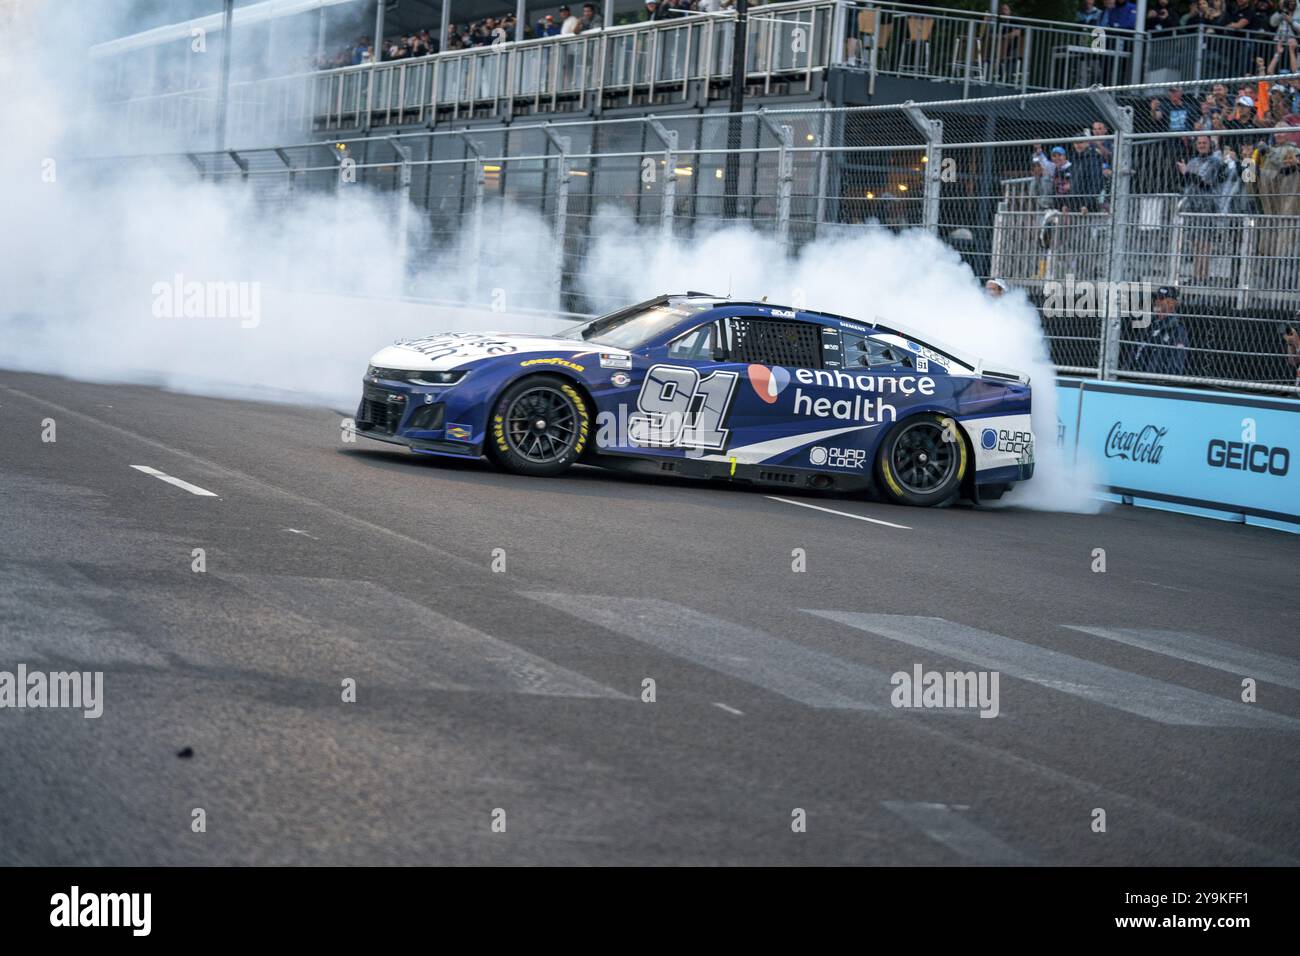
(773, 342)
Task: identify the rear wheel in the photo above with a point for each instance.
(538, 426)
(922, 461)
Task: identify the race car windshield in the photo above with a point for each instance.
(635, 327)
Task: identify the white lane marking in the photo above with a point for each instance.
(163, 476)
(782, 666)
(842, 514)
(1133, 693)
(420, 643)
(303, 533)
(947, 825)
(730, 710)
(1167, 587)
(447, 557)
(1206, 651)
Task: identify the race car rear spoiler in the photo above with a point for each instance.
(1005, 374)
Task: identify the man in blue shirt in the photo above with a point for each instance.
(1119, 16)
(1164, 352)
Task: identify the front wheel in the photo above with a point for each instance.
(922, 461)
(538, 426)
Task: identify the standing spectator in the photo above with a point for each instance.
(1088, 183)
(995, 288)
(1204, 177)
(1119, 16)
(1089, 15)
(1101, 146)
(1062, 176)
(1175, 113)
(591, 20)
(1011, 45)
(1286, 23)
(1161, 17)
(1244, 20)
(1165, 350)
(1242, 116)
(569, 24)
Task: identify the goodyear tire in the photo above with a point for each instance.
(538, 426)
(922, 461)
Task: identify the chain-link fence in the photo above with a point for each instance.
(1089, 201)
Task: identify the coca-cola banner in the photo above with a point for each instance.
(1187, 449)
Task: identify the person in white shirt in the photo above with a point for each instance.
(569, 24)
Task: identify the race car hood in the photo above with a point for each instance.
(445, 351)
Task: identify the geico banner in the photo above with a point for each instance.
(1188, 449)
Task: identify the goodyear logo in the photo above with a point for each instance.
(553, 361)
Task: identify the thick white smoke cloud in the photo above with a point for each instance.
(88, 254)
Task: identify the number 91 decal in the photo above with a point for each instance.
(679, 408)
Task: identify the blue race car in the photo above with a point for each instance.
(703, 387)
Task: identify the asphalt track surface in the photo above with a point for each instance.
(521, 690)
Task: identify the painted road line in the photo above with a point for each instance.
(784, 667)
(1110, 686)
(429, 648)
(842, 514)
(949, 826)
(731, 710)
(163, 476)
(1206, 651)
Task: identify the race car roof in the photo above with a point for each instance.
(979, 365)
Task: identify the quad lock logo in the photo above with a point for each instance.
(1007, 440)
(837, 457)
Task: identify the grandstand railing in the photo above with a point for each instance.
(790, 45)
(787, 42)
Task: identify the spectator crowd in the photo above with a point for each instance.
(1237, 157)
(1266, 30)
(564, 21)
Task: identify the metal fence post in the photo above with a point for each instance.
(403, 205)
(970, 53)
(932, 130)
(839, 32)
(563, 145)
(476, 210)
(784, 175)
(823, 174)
(1121, 118)
(669, 139)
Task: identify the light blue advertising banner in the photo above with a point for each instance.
(1189, 448)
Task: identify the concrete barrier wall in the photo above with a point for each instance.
(1231, 457)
